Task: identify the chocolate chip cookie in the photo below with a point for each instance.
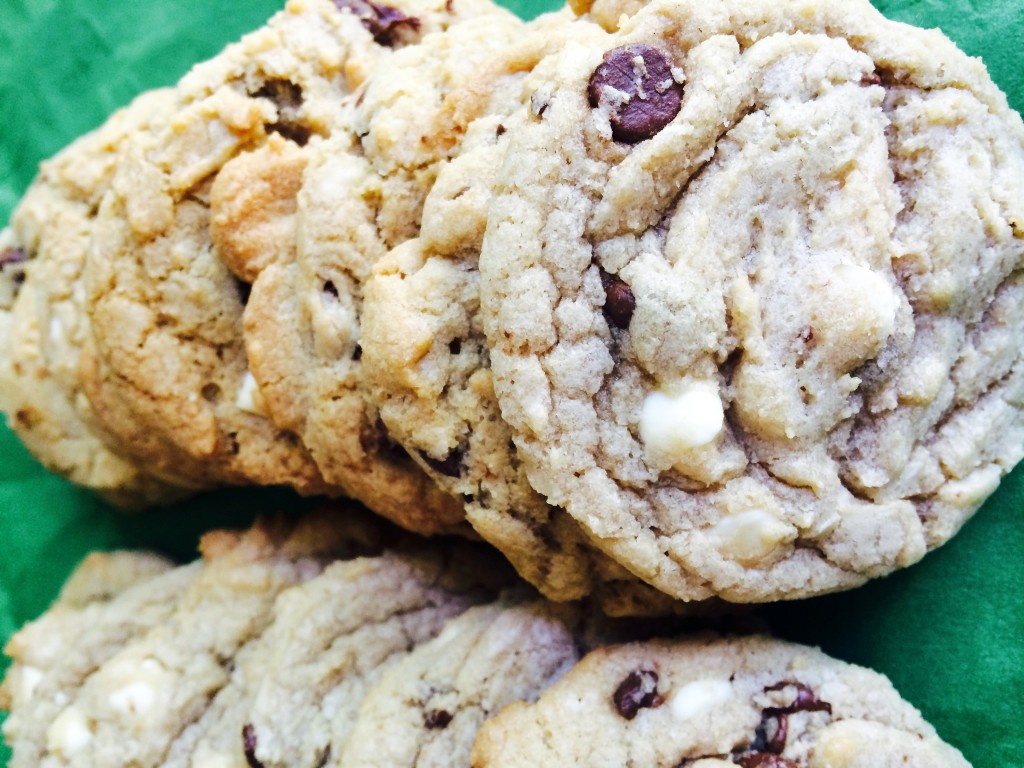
(176, 245)
(43, 323)
(362, 193)
(426, 363)
(755, 702)
(751, 284)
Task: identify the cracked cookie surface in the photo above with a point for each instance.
(201, 205)
(44, 321)
(737, 304)
(426, 362)
(712, 703)
(362, 193)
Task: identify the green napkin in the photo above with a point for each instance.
(949, 632)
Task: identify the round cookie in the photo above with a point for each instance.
(739, 283)
(361, 194)
(143, 664)
(755, 702)
(53, 656)
(43, 322)
(168, 368)
(426, 710)
(426, 367)
(328, 643)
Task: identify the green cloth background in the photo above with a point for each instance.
(949, 632)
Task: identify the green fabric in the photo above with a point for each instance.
(949, 632)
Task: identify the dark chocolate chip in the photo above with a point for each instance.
(331, 289)
(805, 699)
(638, 691)
(764, 760)
(376, 442)
(638, 82)
(455, 346)
(449, 466)
(437, 719)
(389, 26)
(773, 730)
(357, 353)
(287, 97)
(249, 746)
(211, 392)
(12, 256)
(619, 301)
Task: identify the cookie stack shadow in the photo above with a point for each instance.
(675, 305)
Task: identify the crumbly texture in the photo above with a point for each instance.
(43, 322)
(751, 286)
(362, 193)
(263, 650)
(167, 368)
(89, 681)
(176, 246)
(425, 360)
(54, 656)
(329, 641)
(709, 703)
(425, 711)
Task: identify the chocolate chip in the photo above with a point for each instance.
(619, 301)
(249, 746)
(357, 353)
(449, 466)
(287, 97)
(389, 26)
(764, 760)
(376, 442)
(805, 699)
(771, 733)
(437, 719)
(638, 691)
(12, 256)
(331, 289)
(455, 346)
(637, 81)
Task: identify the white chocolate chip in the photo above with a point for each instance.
(26, 681)
(699, 696)
(133, 699)
(218, 760)
(751, 535)
(672, 424)
(874, 293)
(68, 734)
(249, 398)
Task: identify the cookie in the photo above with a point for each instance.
(52, 657)
(737, 282)
(361, 194)
(330, 640)
(426, 366)
(146, 659)
(427, 709)
(168, 368)
(43, 323)
(752, 701)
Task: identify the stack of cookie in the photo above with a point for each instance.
(310, 644)
(669, 302)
